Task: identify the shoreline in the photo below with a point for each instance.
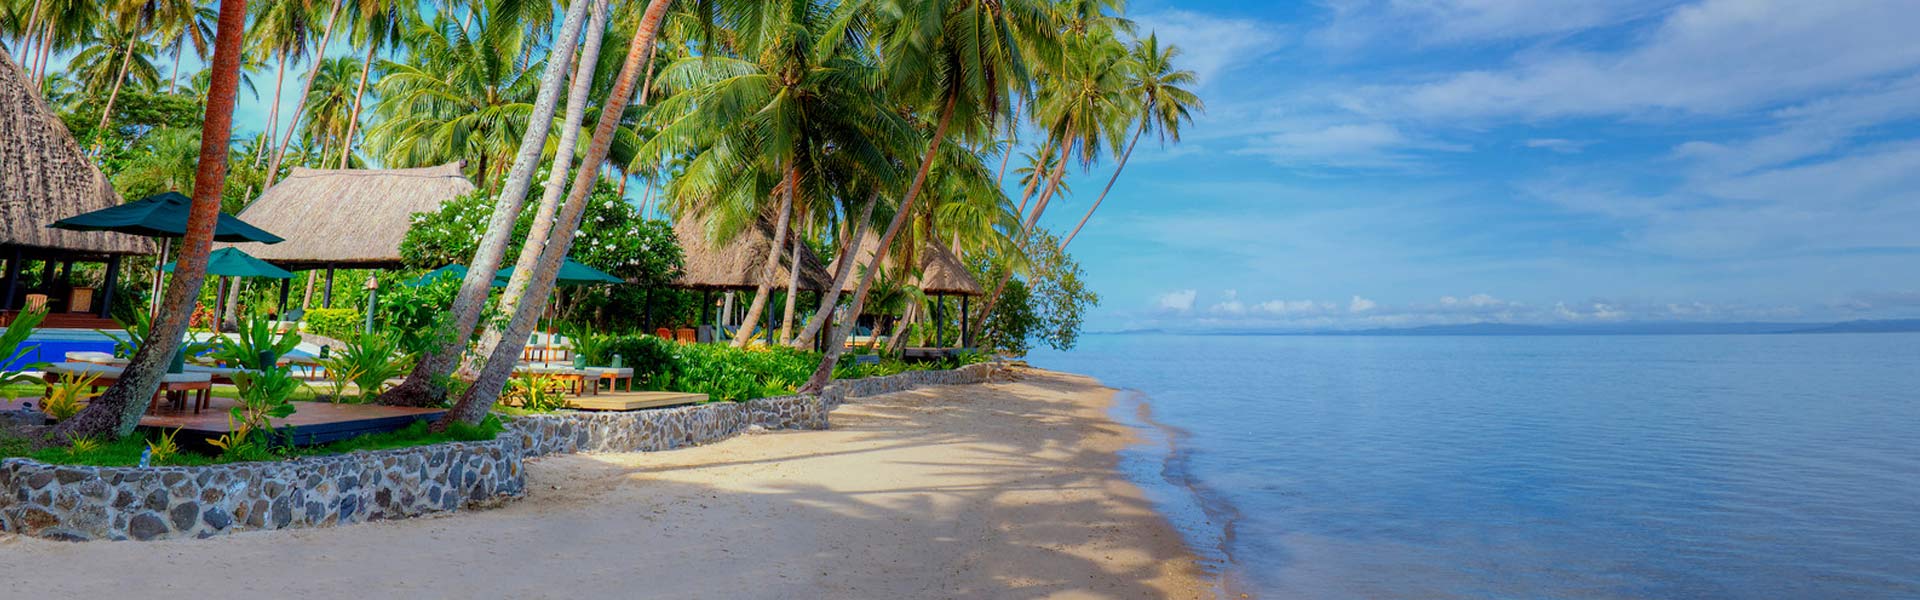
(1205, 519)
(995, 490)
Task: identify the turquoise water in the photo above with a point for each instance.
(1766, 466)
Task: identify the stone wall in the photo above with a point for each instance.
(122, 503)
(126, 503)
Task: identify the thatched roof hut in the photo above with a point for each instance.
(348, 217)
(44, 177)
(940, 271)
(738, 265)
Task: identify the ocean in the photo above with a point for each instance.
(1712, 466)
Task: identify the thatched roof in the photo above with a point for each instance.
(348, 217)
(940, 271)
(44, 177)
(738, 265)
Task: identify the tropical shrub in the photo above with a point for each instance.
(254, 344)
(67, 396)
(420, 316)
(371, 359)
(535, 392)
(133, 335)
(263, 396)
(336, 323)
(11, 348)
(162, 449)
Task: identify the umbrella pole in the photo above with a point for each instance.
(153, 303)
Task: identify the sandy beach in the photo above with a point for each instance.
(987, 491)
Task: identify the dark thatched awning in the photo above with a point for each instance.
(44, 177)
(940, 271)
(348, 217)
(738, 265)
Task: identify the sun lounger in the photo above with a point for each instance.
(611, 376)
(174, 386)
(98, 358)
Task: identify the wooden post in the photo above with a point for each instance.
(113, 283)
(939, 319)
(326, 297)
(966, 327)
(286, 289)
(13, 278)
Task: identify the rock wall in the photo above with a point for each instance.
(131, 503)
(128, 503)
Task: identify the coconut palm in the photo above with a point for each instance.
(118, 411)
(479, 398)
(58, 26)
(329, 103)
(119, 56)
(1156, 84)
(457, 96)
(420, 387)
(184, 25)
(377, 24)
(1083, 106)
(280, 30)
(962, 59)
(792, 96)
(319, 53)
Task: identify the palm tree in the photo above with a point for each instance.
(320, 55)
(377, 24)
(118, 411)
(118, 57)
(457, 96)
(1082, 104)
(183, 24)
(328, 104)
(1155, 83)
(58, 26)
(965, 57)
(165, 163)
(793, 96)
(280, 29)
(479, 398)
(419, 388)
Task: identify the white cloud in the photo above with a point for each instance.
(1358, 22)
(1357, 145)
(1359, 305)
(1563, 146)
(1712, 57)
(1180, 301)
(1211, 46)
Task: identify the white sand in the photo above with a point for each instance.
(989, 491)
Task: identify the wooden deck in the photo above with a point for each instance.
(311, 423)
(634, 400)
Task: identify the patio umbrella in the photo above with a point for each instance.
(571, 273)
(162, 216)
(231, 262)
(455, 271)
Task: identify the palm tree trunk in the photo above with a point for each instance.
(273, 113)
(1001, 179)
(117, 411)
(1028, 222)
(300, 106)
(359, 94)
(126, 59)
(830, 299)
(793, 289)
(550, 198)
(765, 287)
(473, 405)
(173, 77)
(27, 38)
(1033, 184)
(306, 300)
(46, 56)
(1116, 177)
(837, 344)
(419, 389)
(1053, 185)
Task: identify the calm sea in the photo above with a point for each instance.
(1762, 466)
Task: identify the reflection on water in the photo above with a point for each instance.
(1608, 467)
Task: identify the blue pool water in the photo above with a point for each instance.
(53, 345)
(1535, 467)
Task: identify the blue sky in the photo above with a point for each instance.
(1368, 163)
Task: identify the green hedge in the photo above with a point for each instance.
(336, 323)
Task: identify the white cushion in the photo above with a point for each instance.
(604, 371)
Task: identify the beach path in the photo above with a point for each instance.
(1007, 490)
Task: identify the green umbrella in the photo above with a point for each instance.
(162, 216)
(458, 272)
(571, 273)
(231, 262)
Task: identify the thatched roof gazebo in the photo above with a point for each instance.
(941, 273)
(45, 177)
(738, 264)
(347, 218)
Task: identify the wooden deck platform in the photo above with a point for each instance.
(311, 423)
(634, 400)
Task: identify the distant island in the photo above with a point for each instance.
(1633, 328)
